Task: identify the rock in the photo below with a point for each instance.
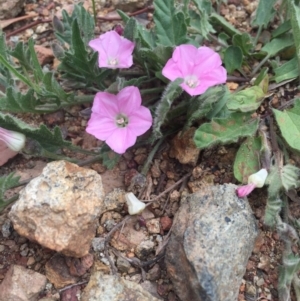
(113, 288)
(115, 200)
(153, 225)
(144, 249)
(59, 208)
(6, 228)
(166, 223)
(154, 273)
(123, 265)
(183, 147)
(10, 9)
(57, 271)
(44, 55)
(212, 238)
(21, 284)
(129, 5)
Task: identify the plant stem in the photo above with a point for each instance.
(94, 11)
(257, 36)
(146, 166)
(152, 90)
(262, 62)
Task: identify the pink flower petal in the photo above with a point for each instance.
(245, 190)
(203, 63)
(105, 104)
(120, 140)
(140, 121)
(185, 56)
(129, 100)
(171, 70)
(101, 127)
(111, 46)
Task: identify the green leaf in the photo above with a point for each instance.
(109, 157)
(203, 25)
(17, 102)
(243, 41)
(294, 14)
(262, 80)
(49, 140)
(287, 71)
(218, 20)
(246, 100)
(273, 208)
(225, 130)
(170, 26)
(201, 105)
(277, 45)
(247, 159)
(233, 58)
(7, 182)
(172, 91)
(290, 177)
(282, 29)
(289, 124)
(265, 12)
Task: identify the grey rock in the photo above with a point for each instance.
(10, 9)
(212, 238)
(113, 288)
(21, 284)
(123, 265)
(144, 249)
(6, 228)
(98, 244)
(59, 209)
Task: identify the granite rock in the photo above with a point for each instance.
(103, 287)
(212, 238)
(59, 209)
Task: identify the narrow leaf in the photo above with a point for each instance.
(265, 12)
(172, 91)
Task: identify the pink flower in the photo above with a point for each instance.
(200, 68)
(119, 119)
(256, 180)
(14, 140)
(114, 50)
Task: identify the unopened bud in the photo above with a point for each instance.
(258, 178)
(14, 140)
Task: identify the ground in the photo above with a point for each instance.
(214, 166)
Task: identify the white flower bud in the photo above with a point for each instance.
(14, 140)
(258, 178)
(135, 206)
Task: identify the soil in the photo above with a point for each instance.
(213, 167)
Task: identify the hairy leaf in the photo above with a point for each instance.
(277, 45)
(7, 182)
(243, 41)
(225, 130)
(49, 140)
(247, 159)
(172, 91)
(170, 26)
(286, 71)
(199, 106)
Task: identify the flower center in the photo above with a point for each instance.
(191, 81)
(113, 62)
(121, 121)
